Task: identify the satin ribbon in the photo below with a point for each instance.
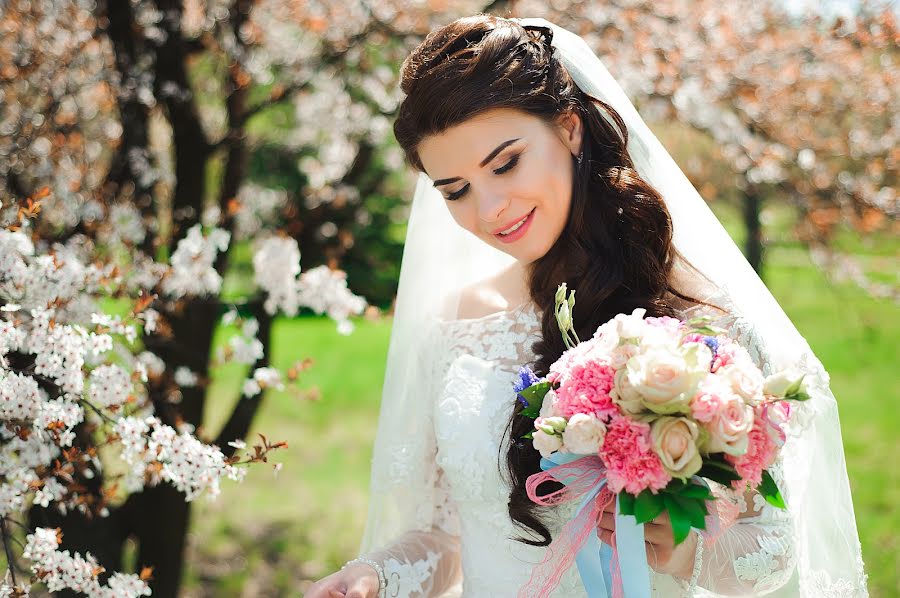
(606, 572)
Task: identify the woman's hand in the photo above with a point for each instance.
(662, 553)
(355, 581)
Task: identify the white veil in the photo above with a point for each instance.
(440, 258)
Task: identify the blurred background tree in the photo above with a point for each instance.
(147, 117)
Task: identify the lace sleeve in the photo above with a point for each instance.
(755, 556)
(424, 558)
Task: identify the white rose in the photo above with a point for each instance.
(546, 444)
(667, 377)
(784, 383)
(729, 429)
(624, 394)
(675, 442)
(584, 434)
(549, 406)
(745, 379)
(631, 326)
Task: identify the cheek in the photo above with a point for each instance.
(464, 215)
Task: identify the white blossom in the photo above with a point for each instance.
(110, 386)
(325, 291)
(184, 377)
(276, 266)
(192, 270)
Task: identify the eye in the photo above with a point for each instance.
(509, 165)
(457, 194)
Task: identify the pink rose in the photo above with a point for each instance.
(675, 442)
(729, 428)
(746, 380)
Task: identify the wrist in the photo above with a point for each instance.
(698, 563)
(372, 566)
(684, 558)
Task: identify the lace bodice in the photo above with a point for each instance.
(470, 550)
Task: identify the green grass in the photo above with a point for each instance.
(270, 535)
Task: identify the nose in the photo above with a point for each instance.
(491, 206)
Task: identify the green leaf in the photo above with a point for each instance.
(681, 521)
(648, 506)
(695, 491)
(529, 436)
(695, 509)
(534, 394)
(626, 503)
(718, 471)
(769, 490)
(532, 412)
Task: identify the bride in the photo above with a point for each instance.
(537, 170)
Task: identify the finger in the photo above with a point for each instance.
(360, 588)
(336, 594)
(660, 535)
(606, 536)
(607, 521)
(662, 519)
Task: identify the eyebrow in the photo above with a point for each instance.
(489, 157)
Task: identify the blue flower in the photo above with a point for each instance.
(713, 344)
(526, 378)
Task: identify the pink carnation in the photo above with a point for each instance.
(560, 368)
(762, 451)
(585, 383)
(628, 454)
(694, 337)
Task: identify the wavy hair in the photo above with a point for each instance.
(616, 247)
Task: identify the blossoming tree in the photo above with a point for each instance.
(126, 136)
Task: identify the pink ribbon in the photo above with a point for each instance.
(579, 478)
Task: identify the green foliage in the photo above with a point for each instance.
(534, 394)
(769, 490)
(718, 470)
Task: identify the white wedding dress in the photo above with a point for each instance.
(437, 521)
(464, 545)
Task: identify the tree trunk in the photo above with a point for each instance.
(753, 248)
(160, 516)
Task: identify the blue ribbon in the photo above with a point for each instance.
(594, 559)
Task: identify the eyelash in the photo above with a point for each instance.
(502, 170)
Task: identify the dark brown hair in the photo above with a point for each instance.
(616, 247)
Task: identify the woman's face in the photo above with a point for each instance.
(506, 177)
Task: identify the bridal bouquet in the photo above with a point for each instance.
(646, 410)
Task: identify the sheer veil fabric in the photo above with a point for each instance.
(440, 259)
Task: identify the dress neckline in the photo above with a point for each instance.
(512, 313)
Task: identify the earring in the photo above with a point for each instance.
(580, 158)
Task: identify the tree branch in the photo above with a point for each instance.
(241, 418)
(9, 556)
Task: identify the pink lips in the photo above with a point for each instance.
(518, 233)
